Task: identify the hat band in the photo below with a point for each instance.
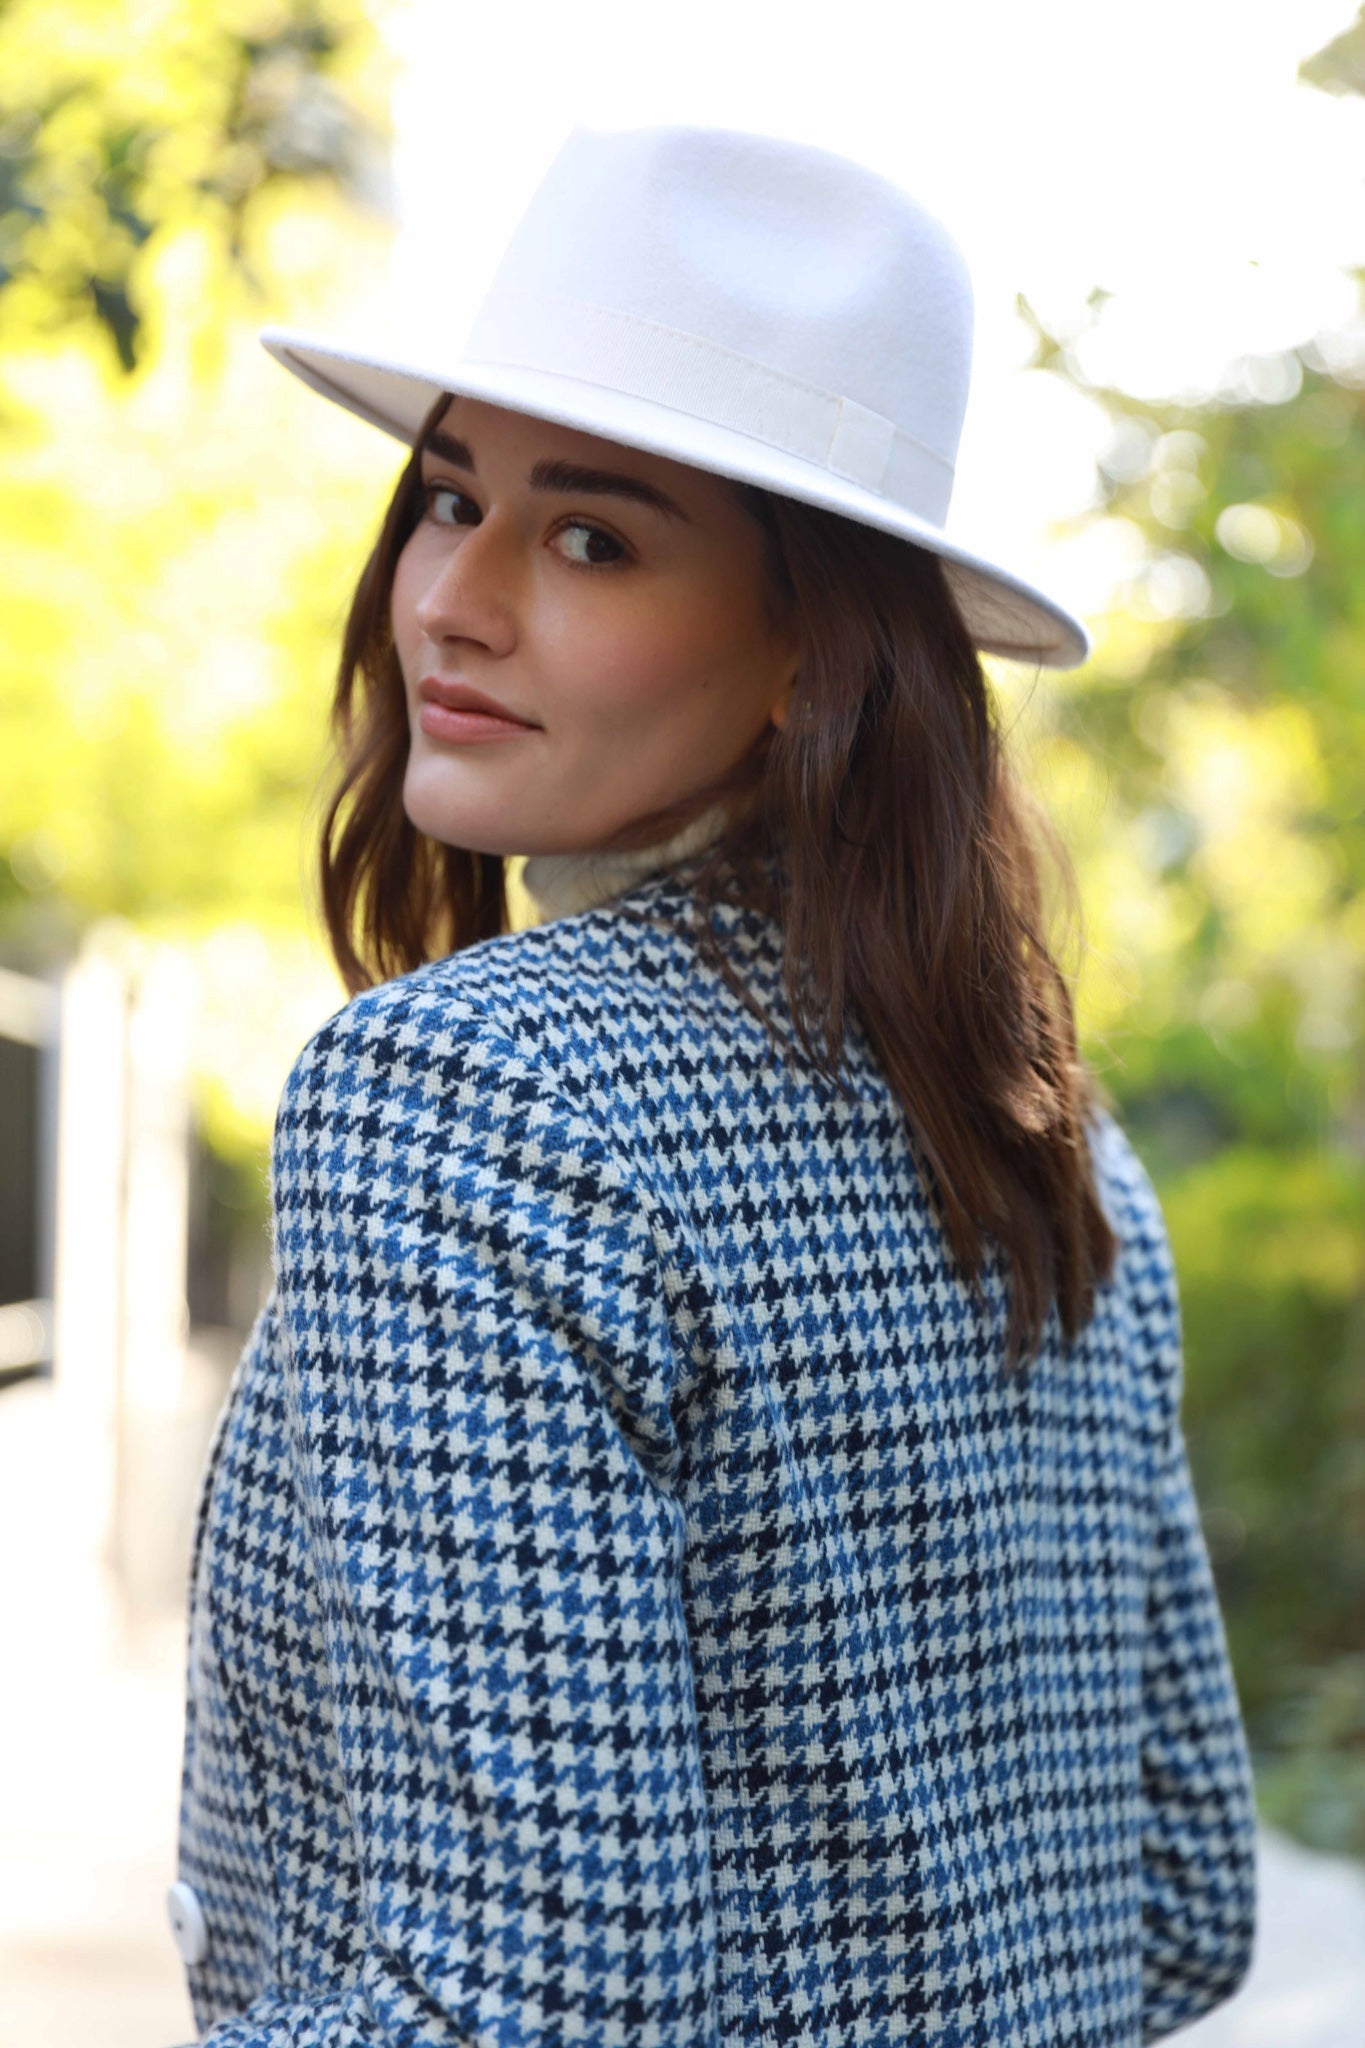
(641, 358)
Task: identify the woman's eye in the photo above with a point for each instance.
(591, 547)
(584, 545)
(443, 503)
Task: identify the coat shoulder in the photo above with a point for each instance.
(579, 1000)
(572, 1004)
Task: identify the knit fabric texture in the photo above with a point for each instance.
(560, 884)
(630, 1602)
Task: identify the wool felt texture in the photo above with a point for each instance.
(630, 1604)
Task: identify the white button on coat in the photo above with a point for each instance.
(187, 1923)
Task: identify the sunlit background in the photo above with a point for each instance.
(1164, 210)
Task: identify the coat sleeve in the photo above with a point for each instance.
(1198, 1805)
(480, 1376)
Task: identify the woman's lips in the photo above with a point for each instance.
(449, 715)
(440, 723)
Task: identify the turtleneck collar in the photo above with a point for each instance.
(562, 884)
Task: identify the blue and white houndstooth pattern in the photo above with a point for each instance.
(630, 1604)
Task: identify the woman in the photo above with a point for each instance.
(699, 1548)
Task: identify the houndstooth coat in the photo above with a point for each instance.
(630, 1604)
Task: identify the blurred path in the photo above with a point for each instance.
(90, 1731)
(1306, 1988)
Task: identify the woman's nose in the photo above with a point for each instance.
(470, 593)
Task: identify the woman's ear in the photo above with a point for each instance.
(780, 710)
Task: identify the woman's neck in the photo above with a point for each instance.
(562, 884)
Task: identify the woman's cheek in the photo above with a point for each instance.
(632, 685)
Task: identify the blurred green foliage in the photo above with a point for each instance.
(1340, 65)
(178, 540)
(178, 534)
(118, 122)
(1209, 762)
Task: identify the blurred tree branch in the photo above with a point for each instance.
(111, 131)
(1339, 66)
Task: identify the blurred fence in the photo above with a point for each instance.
(108, 1241)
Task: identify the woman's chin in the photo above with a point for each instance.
(474, 827)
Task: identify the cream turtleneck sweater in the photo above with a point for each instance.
(561, 884)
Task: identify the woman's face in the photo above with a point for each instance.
(613, 600)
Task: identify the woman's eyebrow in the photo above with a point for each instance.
(564, 476)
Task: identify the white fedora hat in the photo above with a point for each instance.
(752, 306)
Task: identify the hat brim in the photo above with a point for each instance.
(1004, 613)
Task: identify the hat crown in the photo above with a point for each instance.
(807, 264)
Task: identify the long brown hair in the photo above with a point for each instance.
(881, 826)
